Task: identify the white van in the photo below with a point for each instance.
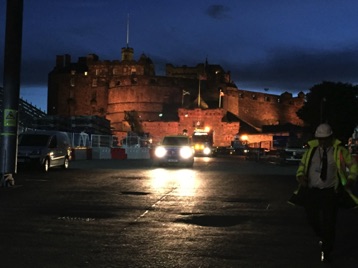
(45, 149)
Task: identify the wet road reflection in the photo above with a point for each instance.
(183, 182)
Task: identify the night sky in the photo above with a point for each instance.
(277, 45)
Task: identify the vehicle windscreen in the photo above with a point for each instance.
(201, 138)
(177, 141)
(33, 140)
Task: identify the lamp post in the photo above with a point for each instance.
(12, 68)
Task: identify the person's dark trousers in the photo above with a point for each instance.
(321, 210)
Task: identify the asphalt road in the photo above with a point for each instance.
(224, 212)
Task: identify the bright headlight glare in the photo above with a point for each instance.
(160, 152)
(186, 152)
(206, 151)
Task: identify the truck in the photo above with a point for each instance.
(202, 142)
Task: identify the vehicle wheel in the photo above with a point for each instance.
(46, 165)
(66, 164)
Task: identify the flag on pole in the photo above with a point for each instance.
(186, 92)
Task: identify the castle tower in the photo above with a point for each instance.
(127, 52)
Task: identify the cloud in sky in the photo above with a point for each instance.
(218, 11)
(300, 69)
(278, 44)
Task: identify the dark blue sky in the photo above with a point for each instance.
(282, 45)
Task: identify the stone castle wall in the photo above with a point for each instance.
(263, 109)
(111, 88)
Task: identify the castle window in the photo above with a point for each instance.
(133, 70)
(267, 98)
(134, 80)
(241, 95)
(114, 71)
(254, 97)
(97, 72)
(278, 100)
(94, 82)
(93, 101)
(73, 72)
(72, 82)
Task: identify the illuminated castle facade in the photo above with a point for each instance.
(185, 98)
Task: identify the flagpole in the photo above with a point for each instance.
(199, 95)
(221, 94)
(182, 99)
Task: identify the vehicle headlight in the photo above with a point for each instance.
(186, 152)
(199, 146)
(206, 151)
(160, 152)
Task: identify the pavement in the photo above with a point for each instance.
(103, 213)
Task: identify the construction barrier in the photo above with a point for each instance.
(138, 152)
(118, 153)
(111, 153)
(101, 153)
(81, 154)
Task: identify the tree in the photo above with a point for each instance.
(332, 103)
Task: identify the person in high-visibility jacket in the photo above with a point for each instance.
(326, 176)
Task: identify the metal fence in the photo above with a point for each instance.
(85, 140)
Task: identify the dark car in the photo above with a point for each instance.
(44, 149)
(174, 150)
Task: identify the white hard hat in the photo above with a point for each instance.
(323, 131)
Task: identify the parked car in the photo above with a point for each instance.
(44, 149)
(174, 150)
(223, 150)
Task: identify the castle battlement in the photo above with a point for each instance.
(112, 89)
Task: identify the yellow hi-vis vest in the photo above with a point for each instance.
(347, 167)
